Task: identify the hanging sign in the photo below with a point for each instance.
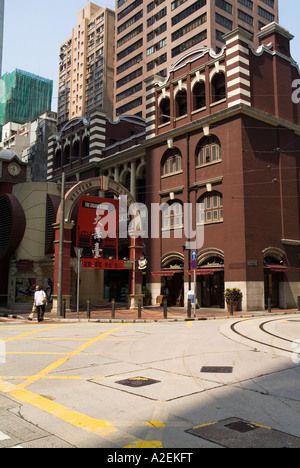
(97, 233)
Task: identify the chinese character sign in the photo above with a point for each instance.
(97, 232)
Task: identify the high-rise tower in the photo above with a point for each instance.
(153, 35)
(86, 66)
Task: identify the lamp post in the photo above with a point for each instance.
(78, 252)
(61, 245)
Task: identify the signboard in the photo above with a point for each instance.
(97, 233)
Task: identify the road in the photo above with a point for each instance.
(162, 385)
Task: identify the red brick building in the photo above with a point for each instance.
(223, 134)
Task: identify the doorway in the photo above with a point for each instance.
(272, 280)
(173, 289)
(212, 290)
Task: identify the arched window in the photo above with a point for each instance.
(171, 162)
(218, 87)
(67, 154)
(181, 103)
(172, 215)
(208, 151)
(75, 151)
(210, 208)
(164, 111)
(85, 146)
(199, 96)
(57, 159)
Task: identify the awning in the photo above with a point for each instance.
(166, 272)
(205, 271)
(278, 268)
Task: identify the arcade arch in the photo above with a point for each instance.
(95, 277)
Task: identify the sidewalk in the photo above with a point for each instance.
(152, 314)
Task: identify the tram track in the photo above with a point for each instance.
(234, 328)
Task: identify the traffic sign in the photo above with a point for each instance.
(194, 254)
(194, 264)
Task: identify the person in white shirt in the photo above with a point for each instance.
(40, 301)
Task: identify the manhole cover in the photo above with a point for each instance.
(217, 369)
(137, 382)
(237, 433)
(241, 426)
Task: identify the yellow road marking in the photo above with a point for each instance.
(19, 337)
(155, 424)
(103, 428)
(79, 420)
(63, 360)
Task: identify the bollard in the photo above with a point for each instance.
(139, 308)
(269, 304)
(64, 308)
(189, 308)
(113, 308)
(88, 308)
(165, 305)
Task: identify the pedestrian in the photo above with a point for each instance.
(33, 311)
(40, 301)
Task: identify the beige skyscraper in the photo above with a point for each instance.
(86, 66)
(153, 35)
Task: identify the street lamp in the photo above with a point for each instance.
(61, 245)
(78, 252)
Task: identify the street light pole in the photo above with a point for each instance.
(78, 251)
(61, 245)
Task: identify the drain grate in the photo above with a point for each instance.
(217, 369)
(237, 433)
(137, 382)
(241, 426)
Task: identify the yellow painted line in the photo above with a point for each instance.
(79, 420)
(155, 424)
(259, 425)
(204, 425)
(19, 337)
(43, 373)
(103, 428)
(146, 444)
(188, 324)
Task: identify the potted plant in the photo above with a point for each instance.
(233, 295)
(147, 295)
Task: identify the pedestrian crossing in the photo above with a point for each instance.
(4, 437)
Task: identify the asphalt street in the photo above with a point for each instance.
(230, 382)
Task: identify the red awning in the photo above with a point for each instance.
(166, 272)
(278, 268)
(205, 271)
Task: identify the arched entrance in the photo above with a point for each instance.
(102, 184)
(172, 279)
(210, 278)
(274, 270)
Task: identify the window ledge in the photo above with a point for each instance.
(208, 164)
(172, 174)
(217, 102)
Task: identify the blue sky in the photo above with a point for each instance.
(35, 29)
